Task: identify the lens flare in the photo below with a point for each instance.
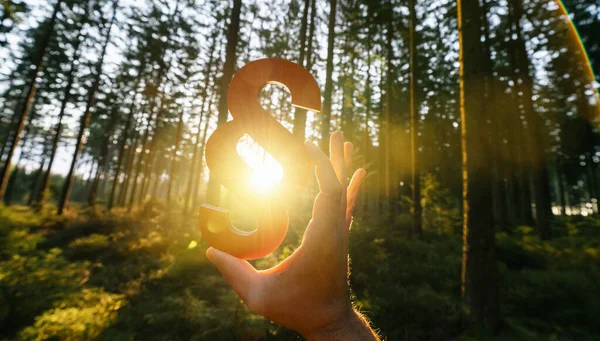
(576, 38)
(267, 171)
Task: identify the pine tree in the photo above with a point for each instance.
(479, 289)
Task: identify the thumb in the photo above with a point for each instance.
(242, 277)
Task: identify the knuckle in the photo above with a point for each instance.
(336, 190)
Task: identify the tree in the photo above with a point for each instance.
(414, 123)
(327, 94)
(228, 68)
(45, 181)
(539, 171)
(300, 114)
(479, 289)
(28, 102)
(85, 119)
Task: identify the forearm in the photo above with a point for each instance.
(355, 327)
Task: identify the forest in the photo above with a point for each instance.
(476, 121)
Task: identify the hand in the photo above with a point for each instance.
(308, 291)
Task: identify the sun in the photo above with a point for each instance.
(267, 171)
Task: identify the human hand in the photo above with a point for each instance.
(308, 291)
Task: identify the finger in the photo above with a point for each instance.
(242, 277)
(352, 194)
(326, 177)
(336, 155)
(348, 151)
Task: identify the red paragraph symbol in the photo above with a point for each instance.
(236, 176)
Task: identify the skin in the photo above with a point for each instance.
(308, 291)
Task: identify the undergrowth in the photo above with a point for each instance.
(145, 277)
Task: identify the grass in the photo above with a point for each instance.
(145, 277)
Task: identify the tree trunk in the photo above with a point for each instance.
(10, 124)
(415, 125)
(13, 176)
(128, 167)
(214, 188)
(206, 114)
(152, 150)
(327, 94)
(311, 34)
(561, 187)
(24, 112)
(7, 139)
(367, 136)
(299, 129)
(123, 140)
(66, 191)
(103, 157)
(303, 27)
(539, 171)
(385, 120)
(479, 291)
(518, 135)
(195, 190)
(138, 166)
(35, 185)
(498, 188)
(174, 157)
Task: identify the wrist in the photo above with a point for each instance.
(351, 326)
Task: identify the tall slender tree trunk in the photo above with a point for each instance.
(299, 129)
(28, 103)
(518, 135)
(564, 188)
(194, 163)
(163, 108)
(539, 170)
(311, 35)
(14, 175)
(591, 177)
(125, 136)
(196, 185)
(479, 291)
(149, 163)
(35, 184)
(140, 159)
(174, 158)
(415, 125)
(385, 184)
(561, 187)
(7, 138)
(85, 119)
(328, 93)
(367, 133)
(6, 96)
(131, 151)
(204, 113)
(103, 157)
(498, 188)
(214, 189)
(66, 99)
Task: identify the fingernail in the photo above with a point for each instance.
(210, 254)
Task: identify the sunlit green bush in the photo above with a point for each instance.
(81, 316)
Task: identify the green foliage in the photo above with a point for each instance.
(551, 286)
(440, 210)
(81, 316)
(146, 278)
(398, 279)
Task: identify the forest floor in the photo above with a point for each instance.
(145, 277)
